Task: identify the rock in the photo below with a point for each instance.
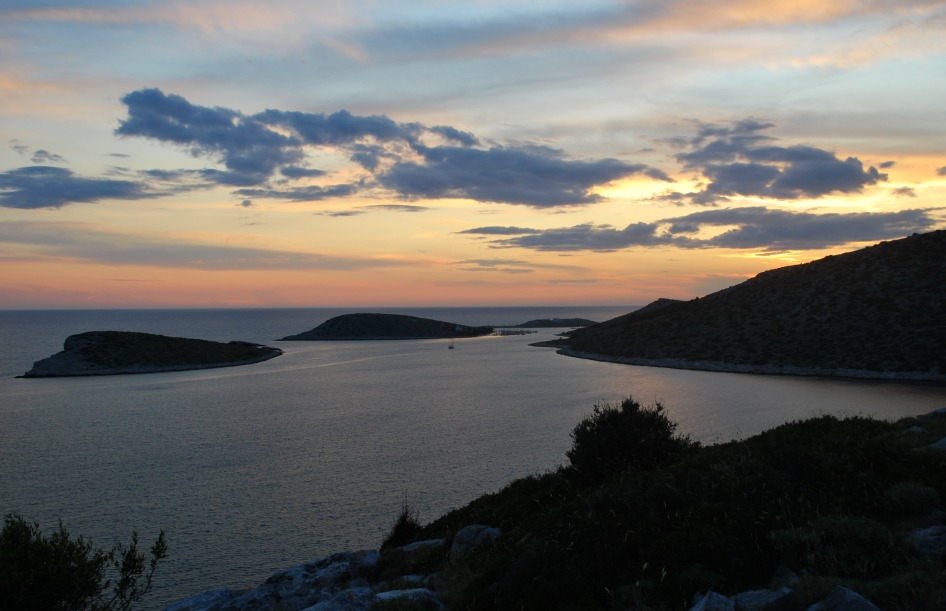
(422, 545)
(262, 598)
(470, 537)
(207, 601)
(939, 445)
(352, 599)
(765, 600)
(930, 541)
(414, 594)
(843, 599)
(785, 576)
(713, 601)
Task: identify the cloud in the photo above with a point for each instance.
(256, 149)
(941, 171)
(739, 160)
(80, 241)
(503, 175)
(753, 227)
(249, 150)
(905, 192)
(48, 187)
(300, 194)
(396, 207)
(41, 156)
(495, 230)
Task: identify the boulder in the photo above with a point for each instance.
(471, 537)
(765, 600)
(207, 601)
(426, 544)
(714, 601)
(930, 541)
(939, 445)
(352, 599)
(411, 595)
(844, 599)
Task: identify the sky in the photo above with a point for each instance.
(299, 153)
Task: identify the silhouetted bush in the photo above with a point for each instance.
(404, 530)
(611, 440)
(62, 573)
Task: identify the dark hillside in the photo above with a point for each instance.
(878, 310)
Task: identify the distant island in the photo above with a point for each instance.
(121, 352)
(365, 326)
(878, 312)
(551, 323)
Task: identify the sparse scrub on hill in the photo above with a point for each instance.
(833, 500)
(630, 436)
(404, 529)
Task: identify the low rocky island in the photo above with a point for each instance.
(363, 326)
(119, 352)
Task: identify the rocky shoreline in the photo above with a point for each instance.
(722, 367)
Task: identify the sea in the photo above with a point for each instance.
(260, 467)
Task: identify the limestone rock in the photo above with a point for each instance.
(714, 601)
(930, 541)
(352, 599)
(213, 599)
(765, 600)
(844, 599)
(469, 538)
(414, 594)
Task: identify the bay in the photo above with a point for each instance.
(255, 468)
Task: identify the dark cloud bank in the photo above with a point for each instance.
(740, 160)
(262, 153)
(753, 227)
(264, 156)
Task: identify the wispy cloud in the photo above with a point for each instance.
(749, 228)
(51, 187)
(85, 242)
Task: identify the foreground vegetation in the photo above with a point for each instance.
(644, 519)
(62, 573)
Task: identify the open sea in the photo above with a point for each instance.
(255, 468)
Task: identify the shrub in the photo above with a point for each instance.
(611, 440)
(404, 530)
(62, 573)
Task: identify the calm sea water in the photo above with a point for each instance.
(250, 469)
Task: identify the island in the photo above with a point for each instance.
(368, 326)
(121, 352)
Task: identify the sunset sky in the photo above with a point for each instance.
(175, 153)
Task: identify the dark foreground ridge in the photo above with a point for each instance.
(818, 515)
(387, 326)
(119, 352)
(877, 312)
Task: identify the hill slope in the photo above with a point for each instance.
(875, 312)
